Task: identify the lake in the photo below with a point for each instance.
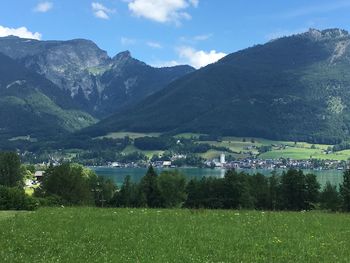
(118, 174)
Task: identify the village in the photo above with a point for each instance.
(247, 163)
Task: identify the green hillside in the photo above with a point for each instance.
(294, 88)
(32, 105)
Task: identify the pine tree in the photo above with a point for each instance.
(293, 190)
(150, 189)
(345, 191)
(312, 190)
(329, 198)
(192, 194)
(274, 191)
(124, 195)
(10, 169)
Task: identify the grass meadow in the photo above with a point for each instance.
(242, 147)
(145, 235)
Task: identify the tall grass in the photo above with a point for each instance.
(144, 235)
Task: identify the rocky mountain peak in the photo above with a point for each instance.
(320, 35)
(123, 55)
(95, 82)
(124, 58)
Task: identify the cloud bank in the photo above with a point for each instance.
(100, 11)
(153, 44)
(22, 32)
(162, 11)
(43, 7)
(190, 56)
(199, 58)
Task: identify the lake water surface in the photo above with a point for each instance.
(118, 174)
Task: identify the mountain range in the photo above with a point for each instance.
(98, 84)
(291, 88)
(53, 87)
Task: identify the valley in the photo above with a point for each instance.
(174, 131)
(87, 107)
(130, 149)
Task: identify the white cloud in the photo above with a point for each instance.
(194, 39)
(101, 14)
(125, 41)
(199, 58)
(202, 37)
(190, 56)
(154, 44)
(22, 32)
(100, 11)
(43, 7)
(162, 11)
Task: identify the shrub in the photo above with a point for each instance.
(71, 182)
(13, 198)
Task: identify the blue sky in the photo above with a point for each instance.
(170, 32)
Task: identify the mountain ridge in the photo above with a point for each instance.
(294, 88)
(32, 105)
(79, 66)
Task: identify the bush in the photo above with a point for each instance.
(71, 182)
(52, 200)
(13, 198)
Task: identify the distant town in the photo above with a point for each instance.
(247, 163)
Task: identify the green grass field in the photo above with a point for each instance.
(297, 151)
(7, 214)
(131, 135)
(144, 235)
(305, 153)
(131, 148)
(188, 135)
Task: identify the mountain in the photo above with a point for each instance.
(33, 107)
(98, 84)
(292, 88)
(129, 80)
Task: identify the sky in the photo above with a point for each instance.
(170, 32)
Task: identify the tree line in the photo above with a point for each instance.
(292, 190)
(72, 184)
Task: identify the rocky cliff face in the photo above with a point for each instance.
(97, 83)
(129, 80)
(65, 63)
(328, 34)
(31, 105)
